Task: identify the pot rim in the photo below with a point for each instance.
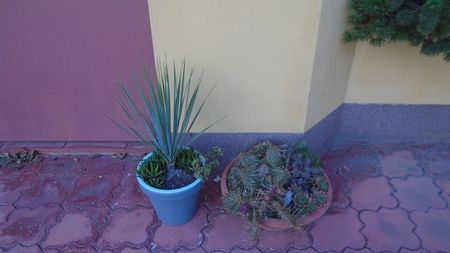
(196, 182)
(273, 224)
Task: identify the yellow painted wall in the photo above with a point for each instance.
(259, 52)
(332, 64)
(397, 74)
(281, 66)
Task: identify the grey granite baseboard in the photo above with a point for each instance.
(389, 123)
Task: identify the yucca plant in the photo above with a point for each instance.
(165, 111)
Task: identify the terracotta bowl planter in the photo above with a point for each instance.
(272, 224)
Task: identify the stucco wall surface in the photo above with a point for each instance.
(260, 53)
(332, 63)
(397, 74)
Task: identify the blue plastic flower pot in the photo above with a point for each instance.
(174, 207)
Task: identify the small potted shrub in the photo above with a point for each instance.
(172, 175)
(275, 187)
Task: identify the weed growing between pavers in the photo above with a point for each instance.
(19, 159)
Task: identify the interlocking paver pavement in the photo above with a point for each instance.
(338, 230)
(389, 230)
(387, 198)
(418, 193)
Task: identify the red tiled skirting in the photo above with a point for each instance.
(69, 148)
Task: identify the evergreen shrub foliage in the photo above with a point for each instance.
(422, 23)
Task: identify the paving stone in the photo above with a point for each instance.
(89, 188)
(129, 195)
(4, 212)
(189, 235)
(21, 249)
(282, 241)
(437, 168)
(234, 227)
(400, 164)
(372, 193)
(132, 161)
(73, 228)
(103, 166)
(11, 173)
(127, 227)
(61, 164)
(415, 251)
(72, 249)
(444, 185)
(340, 188)
(128, 250)
(11, 188)
(97, 215)
(357, 163)
(238, 250)
(339, 182)
(340, 199)
(7, 172)
(336, 230)
(434, 229)
(197, 250)
(420, 148)
(27, 226)
(388, 148)
(66, 178)
(51, 186)
(388, 230)
(435, 160)
(211, 195)
(417, 193)
(44, 190)
(357, 251)
(302, 251)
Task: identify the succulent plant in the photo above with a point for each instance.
(276, 182)
(186, 158)
(202, 169)
(153, 171)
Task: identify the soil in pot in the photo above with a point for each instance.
(158, 173)
(177, 178)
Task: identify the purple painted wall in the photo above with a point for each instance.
(60, 61)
